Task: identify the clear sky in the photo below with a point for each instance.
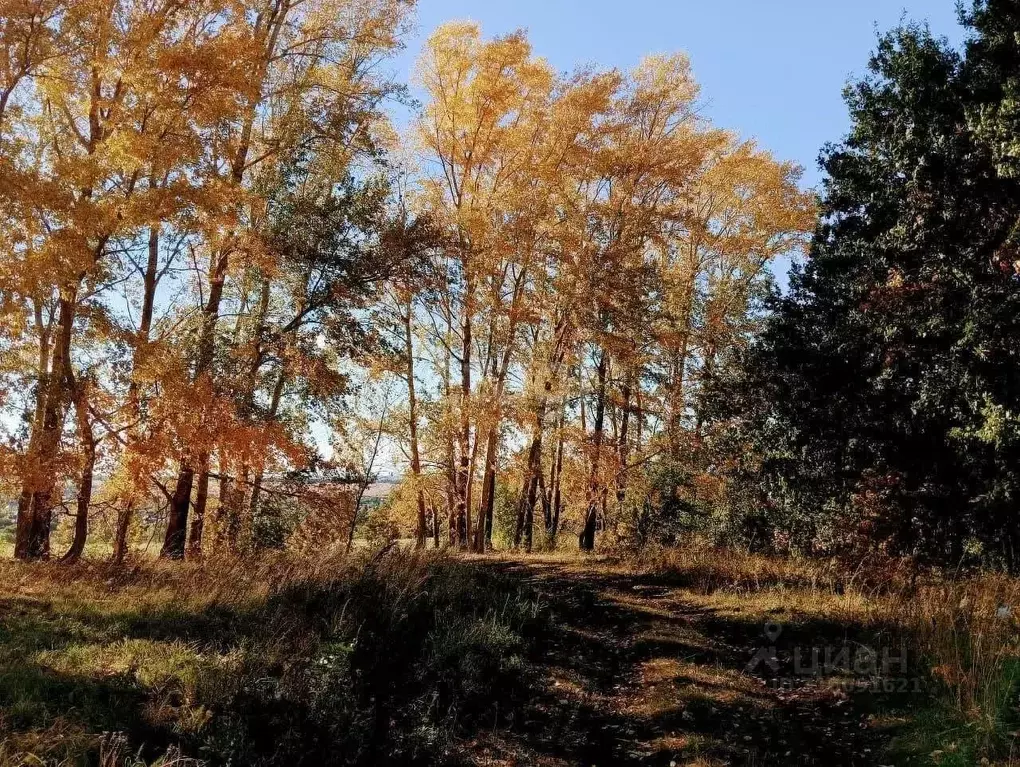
(772, 70)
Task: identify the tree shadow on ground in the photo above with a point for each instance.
(637, 674)
(623, 669)
(367, 669)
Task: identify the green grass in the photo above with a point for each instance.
(944, 735)
(364, 662)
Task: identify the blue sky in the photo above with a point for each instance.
(772, 70)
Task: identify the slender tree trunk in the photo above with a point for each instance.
(533, 473)
(586, 540)
(368, 473)
(174, 543)
(230, 522)
(529, 490)
(623, 445)
(451, 459)
(198, 520)
(177, 525)
(707, 375)
(469, 526)
(240, 539)
(464, 437)
(120, 540)
(223, 521)
(256, 488)
(529, 519)
(483, 536)
(354, 516)
(451, 495)
(639, 417)
(412, 405)
(558, 479)
(88, 450)
(42, 388)
(677, 397)
(149, 281)
(543, 494)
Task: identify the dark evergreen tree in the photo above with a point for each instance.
(884, 395)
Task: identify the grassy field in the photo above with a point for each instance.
(693, 657)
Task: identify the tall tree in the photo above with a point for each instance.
(883, 393)
(310, 78)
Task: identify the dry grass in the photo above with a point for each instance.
(965, 630)
(368, 659)
(179, 659)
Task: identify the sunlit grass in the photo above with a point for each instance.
(235, 663)
(964, 632)
(182, 658)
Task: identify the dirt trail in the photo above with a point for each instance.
(638, 670)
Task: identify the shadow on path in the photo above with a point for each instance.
(637, 672)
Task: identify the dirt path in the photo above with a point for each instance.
(636, 670)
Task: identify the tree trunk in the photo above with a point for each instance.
(623, 445)
(354, 516)
(198, 520)
(483, 536)
(529, 489)
(586, 540)
(229, 523)
(543, 495)
(557, 465)
(88, 449)
(533, 472)
(464, 437)
(676, 399)
(177, 526)
(35, 510)
(412, 405)
(256, 488)
(558, 478)
(150, 280)
(223, 505)
(451, 458)
(120, 540)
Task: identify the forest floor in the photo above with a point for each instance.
(697, 658)
(643, 669)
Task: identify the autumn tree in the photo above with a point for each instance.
(131, 77)
(310, 82)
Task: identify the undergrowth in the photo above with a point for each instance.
(962, 632)
(383, 659)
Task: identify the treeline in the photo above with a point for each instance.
(602, 248)
(206, 237)
(549, 303)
